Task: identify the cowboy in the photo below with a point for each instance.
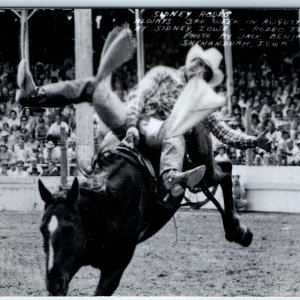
(222, 155)
(34, 169)
(20, 170)
(115, 114)
(51, 152)
(185, 98)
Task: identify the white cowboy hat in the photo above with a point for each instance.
(49, 145)
(212, 57)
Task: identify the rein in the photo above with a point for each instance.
(211, 197)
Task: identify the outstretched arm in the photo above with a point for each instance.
(234, 138)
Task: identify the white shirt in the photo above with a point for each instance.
(55, 128)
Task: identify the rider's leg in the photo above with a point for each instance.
(52, 95)
(118, 49)
(111, 110)
(171, 163)
(112, 113)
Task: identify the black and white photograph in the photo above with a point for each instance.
(150, 152)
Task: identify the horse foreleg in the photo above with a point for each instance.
(113, 269)
(234, 231)
(109, 281)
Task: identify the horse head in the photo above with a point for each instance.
(64, 237)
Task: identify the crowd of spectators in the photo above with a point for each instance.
(269, 96)
(29, 138)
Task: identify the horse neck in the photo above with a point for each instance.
(91, 212)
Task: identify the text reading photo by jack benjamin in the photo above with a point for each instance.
(216, 28)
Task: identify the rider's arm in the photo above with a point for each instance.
(146, 88)
(228, 135)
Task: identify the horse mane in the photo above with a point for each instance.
(110, 169)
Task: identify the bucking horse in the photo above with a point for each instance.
(102, 226)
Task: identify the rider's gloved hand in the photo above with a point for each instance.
(132, 132)
(263, 142)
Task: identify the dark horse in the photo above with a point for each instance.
(83, 226)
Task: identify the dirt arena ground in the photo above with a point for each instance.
(200, 262)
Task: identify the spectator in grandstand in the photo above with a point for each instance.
(33, 144)
(11, 103)
(69, 69)
(28, 114)
(20, 170)
(266, 108)
(22, 152)
(25, 134)
(15, 131)
(4, 93)
(232, 154)
(34, 169)
(282, 149)
(51, 169)
(71, 152)
(13, 119)
(273, 134)
(3, 168)
(5, 153)
(290, 114)
(286, 107)
(236, 111)
(40, 154)
(238, 193)
(25, 124)
(6, 128)
(269, 159)
(8, 140)
(256, 106)
(12, 167)
(54, 129)
(255, 124)
(68, 114)
(294, 129)
(277, 106)
(222, 155)
(51, 114)
(41, 131)
(297, 156)
(51, 152)
(38, 113)
(278, 120)
(258, 160)
(292, 152)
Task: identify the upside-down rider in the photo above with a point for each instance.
(182, 98)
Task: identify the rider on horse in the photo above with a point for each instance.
(190, 87)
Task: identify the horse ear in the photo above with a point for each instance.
(44, 192)
(73, 192)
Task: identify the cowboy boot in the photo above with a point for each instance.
(52, 95)
(28, 89)
(176, 182)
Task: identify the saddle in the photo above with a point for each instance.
(135, 157)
